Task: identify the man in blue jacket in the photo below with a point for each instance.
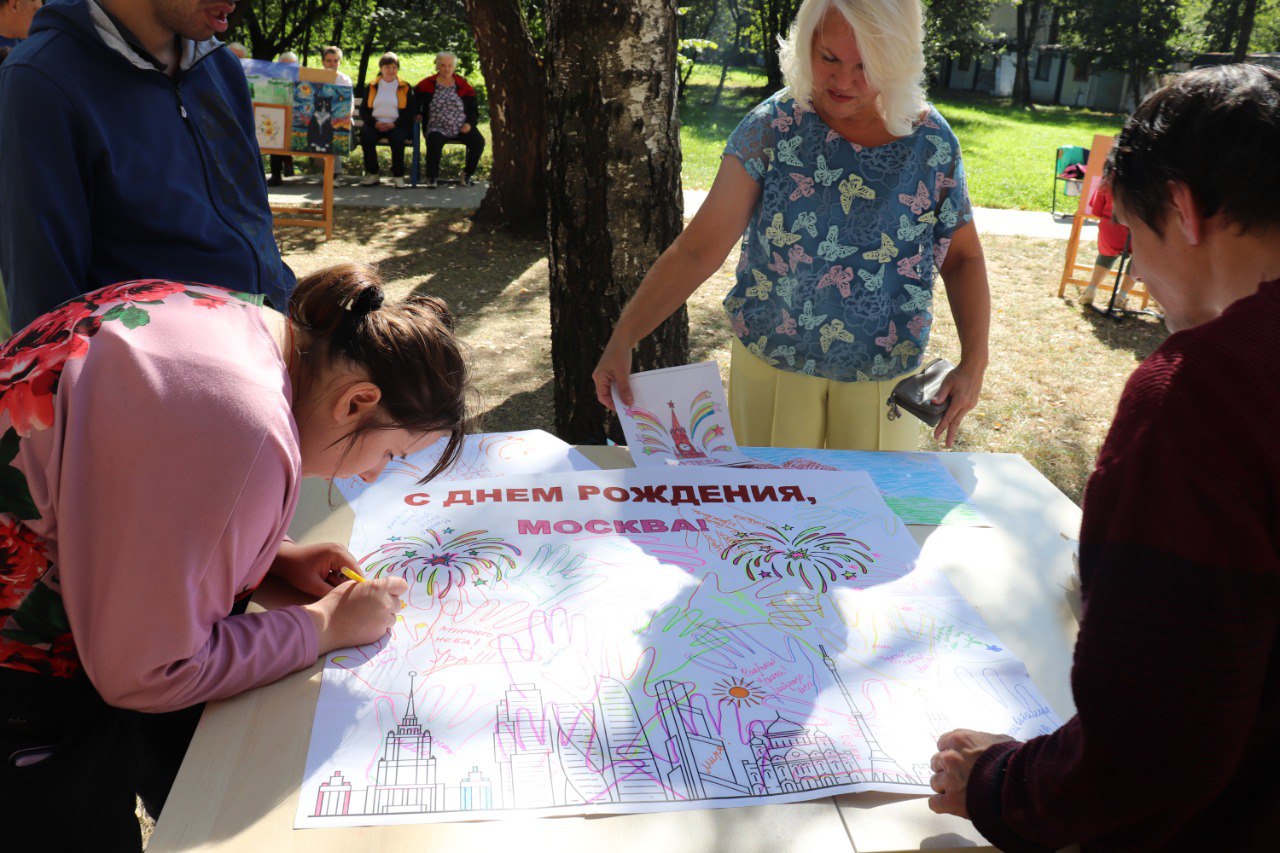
(129, 152)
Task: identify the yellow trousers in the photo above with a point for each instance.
(775, 408)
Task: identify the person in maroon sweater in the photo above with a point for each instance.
(1176, 741)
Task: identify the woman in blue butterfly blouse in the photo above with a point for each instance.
(848, 192)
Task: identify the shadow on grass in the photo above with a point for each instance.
(1139, 334)
(440, 253)
(525, 410)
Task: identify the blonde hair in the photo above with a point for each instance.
(890, 36)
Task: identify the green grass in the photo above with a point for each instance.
(706, 122)
(1008, 151)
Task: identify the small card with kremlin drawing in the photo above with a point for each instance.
(680, 417)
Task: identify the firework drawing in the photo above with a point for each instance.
(679, 416)
(700, 438)
(444, 559)
(767, 552)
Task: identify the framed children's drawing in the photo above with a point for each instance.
(271, 123)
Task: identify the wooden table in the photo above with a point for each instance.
(308, 216)
(238, 788)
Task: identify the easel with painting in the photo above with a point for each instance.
(1074, 272)
(310, 117)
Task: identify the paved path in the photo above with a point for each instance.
(347, 192)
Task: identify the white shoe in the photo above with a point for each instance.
(399, 182)
(369, 181)
(1122, 302)
(1086, 295)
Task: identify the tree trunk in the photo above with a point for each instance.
(614, 200)
(775, 19)
(1022, 58)
(1028, 27)
(517, 196)
(366, 51)
(340, 23)
(1247, 14)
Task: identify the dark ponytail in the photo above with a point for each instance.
(407, 348)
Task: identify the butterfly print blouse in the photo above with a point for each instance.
(839, 258)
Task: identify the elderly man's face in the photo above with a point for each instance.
(194, 19)
(331, 60)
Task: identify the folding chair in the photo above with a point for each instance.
(1066, 156)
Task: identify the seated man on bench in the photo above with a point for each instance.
(449, 114)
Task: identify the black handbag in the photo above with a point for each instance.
(916, 393)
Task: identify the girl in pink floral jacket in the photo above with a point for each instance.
(153, 436)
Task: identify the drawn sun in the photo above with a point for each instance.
(739, 691)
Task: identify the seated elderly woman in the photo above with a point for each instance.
(156, 434)
(449, 114)
(387, 112)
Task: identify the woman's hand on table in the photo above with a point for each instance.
(958, 751)
(314, 569)
(354, 613)
(963, 385)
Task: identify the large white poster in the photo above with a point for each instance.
(648, 640)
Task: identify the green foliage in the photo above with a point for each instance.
(1139, 37)
(688, 52)
(955, 28)
(1214, 26)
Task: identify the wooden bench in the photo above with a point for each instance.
(357, 123)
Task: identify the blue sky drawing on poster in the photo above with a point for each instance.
(915, 485)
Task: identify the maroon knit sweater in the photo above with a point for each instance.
(1176, 741)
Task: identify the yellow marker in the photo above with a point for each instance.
(358, 578)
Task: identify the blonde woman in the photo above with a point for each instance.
(847, 191)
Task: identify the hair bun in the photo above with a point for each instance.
(366, 302)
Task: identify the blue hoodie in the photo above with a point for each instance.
(110, 170)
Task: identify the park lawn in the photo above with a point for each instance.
(706, 120)
(1008, 151)
(1055, 374)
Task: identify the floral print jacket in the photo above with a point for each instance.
(148, 471)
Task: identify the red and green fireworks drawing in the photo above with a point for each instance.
(771, 550)
(444, 559)
(692, 443)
